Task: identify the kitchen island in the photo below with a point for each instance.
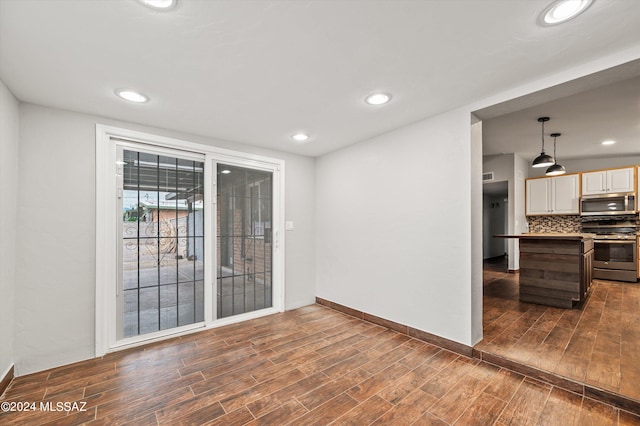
(555, 269)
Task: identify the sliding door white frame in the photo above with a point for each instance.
(107, 239)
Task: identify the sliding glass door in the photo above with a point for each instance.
(162, 248)
(187, 237)
(244, 240)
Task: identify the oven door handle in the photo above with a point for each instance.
(615, 241)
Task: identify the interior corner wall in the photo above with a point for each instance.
(394, 226)
(9, 137)
(55, 254)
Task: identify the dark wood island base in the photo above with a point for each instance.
(555, 269)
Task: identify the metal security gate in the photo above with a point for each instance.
(162, 250)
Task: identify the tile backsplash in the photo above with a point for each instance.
(553, 224)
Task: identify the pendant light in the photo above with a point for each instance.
(556, 169)
(543, 160)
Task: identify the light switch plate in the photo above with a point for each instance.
(288, 225)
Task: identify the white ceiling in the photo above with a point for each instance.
(584, 120)
(257, 71)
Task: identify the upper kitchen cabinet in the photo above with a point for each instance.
(608, 181)
(553, 195)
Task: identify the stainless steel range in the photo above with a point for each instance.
(615, 246)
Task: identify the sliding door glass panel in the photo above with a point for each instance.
(244, 250)
(162, 243)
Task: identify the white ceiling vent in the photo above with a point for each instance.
(486, 177)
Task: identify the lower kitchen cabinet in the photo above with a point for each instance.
(555, 271)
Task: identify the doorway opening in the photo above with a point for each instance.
(495, 219)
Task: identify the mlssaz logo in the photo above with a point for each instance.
(62, 406)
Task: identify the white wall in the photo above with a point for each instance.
(587, 164)
(393, 231)
(500, 165)
(55, 272)
(9, 136)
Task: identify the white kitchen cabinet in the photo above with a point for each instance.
(538, 196)
(565, 194)
(594, 183)
(608, 181)
(553, 195)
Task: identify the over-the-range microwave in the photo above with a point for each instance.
(608, 204)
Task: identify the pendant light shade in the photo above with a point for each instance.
(543, 160)
(556, 169)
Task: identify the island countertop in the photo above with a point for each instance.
(549, 236)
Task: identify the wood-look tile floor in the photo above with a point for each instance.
(310, 366)
(597, 344)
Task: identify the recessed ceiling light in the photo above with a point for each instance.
(132, 96)
(563, 10)
(300, 137)
(225, 171)
(159, 4)
(608, 142)
(377, 99)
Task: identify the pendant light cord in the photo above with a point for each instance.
(554, 154)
